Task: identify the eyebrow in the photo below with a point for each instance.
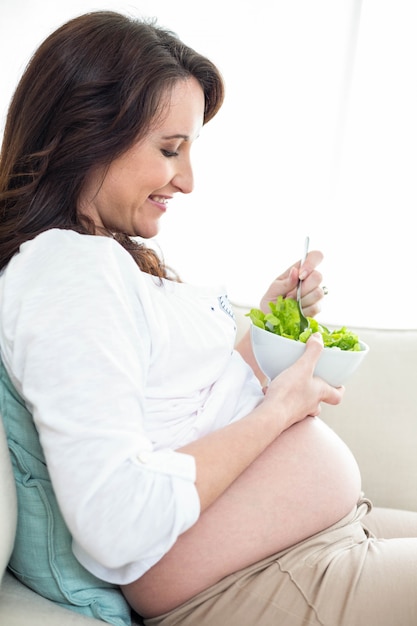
(177, 136)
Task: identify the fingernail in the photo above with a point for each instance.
(302, 275)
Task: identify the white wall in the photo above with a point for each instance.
(313, 139)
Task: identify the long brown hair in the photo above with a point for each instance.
(89, 92)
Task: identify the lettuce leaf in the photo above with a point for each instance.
(284, 320)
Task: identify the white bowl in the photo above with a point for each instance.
(275, 354)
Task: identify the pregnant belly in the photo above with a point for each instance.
(304, 482)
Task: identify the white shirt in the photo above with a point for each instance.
(119, 369)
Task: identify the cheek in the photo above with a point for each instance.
(159, 175)
(122, 190)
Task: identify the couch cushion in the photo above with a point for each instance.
(42, 557)
(8, 504)
(378, 417)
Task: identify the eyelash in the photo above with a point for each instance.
(169, 153)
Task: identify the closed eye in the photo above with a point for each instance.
(169, 153)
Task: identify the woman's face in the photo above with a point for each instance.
(132, 194)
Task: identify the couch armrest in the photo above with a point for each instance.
(20, 606)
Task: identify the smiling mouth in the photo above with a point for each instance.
(159, 199)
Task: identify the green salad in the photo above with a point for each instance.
(284, 320)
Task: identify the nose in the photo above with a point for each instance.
(184, 178)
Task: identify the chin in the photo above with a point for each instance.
(145, 233)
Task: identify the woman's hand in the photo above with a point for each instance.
(286, 285)
(298, 390)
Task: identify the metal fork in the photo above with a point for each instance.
(303, 319)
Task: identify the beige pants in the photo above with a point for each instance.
(344, 576)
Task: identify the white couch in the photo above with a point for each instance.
(377, 419)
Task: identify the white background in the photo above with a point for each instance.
(317, 137)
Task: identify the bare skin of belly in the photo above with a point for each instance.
(304, 482)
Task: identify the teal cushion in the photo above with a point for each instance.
(42, 558)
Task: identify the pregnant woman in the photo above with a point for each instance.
(182, 484)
